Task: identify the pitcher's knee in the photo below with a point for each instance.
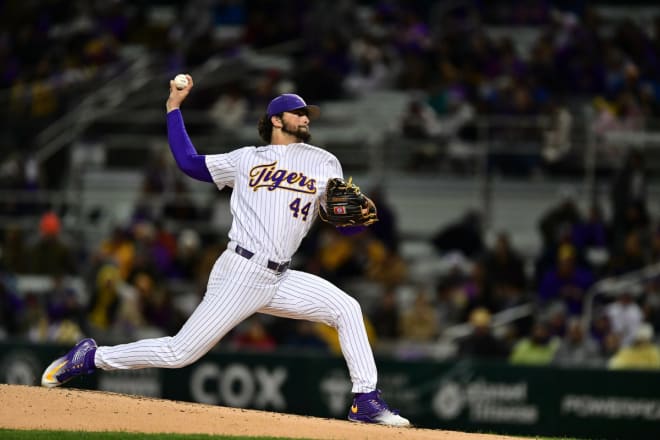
(181, 360)
(180, 357)
(351, 309)
(355, 306)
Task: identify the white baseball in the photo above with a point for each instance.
(180, 81)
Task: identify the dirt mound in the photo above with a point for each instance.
(29, 407)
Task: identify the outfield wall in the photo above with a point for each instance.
(462, 395)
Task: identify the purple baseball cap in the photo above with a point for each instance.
(291, 101)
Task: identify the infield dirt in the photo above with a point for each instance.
(31, 407)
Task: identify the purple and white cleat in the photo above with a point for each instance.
(78, 361)
(371, 408)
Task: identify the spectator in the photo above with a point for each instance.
(230, 109)
(548, 257)
(577, 349)
(452, 302)
(119, 249)
(600, 327)
(50, 255)
(337, 255)
(386, 228)
(632, 256)
(316, 79)
(611, 344)
(557, 137)
(146, 250)
(330, 336)
(625, 316)
(185, 264)
(537, 349)
(147, 206)
(474, 289)
(419, 323)
(371, 71)
(555, 314)
(13, 256)
(481, 343)
(181, 206)
(253, 336)
(464, 235)
(505, 274)
(12, 310)
(655, 244)
(420, 121)
(629, 191)
(163, 248)
(106, 298)
(651, 304)
(379, 263)
(592, 232)
(153, 305)
(605, 120)
(386, 317)
(129, 319)
(419, 124)
(642, 354)
(566, 282)
(562, 216)
(65, 312)
(36, 318)
(304, 336)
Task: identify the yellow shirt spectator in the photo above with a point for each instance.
(538, 349)
(641, 355)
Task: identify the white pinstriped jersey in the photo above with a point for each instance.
(276, 194)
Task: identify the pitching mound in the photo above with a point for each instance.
(26, 407)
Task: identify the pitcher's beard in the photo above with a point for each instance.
(300, 133)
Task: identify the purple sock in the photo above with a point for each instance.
(88, 363)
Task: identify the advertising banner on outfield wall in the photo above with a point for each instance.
(461, 395)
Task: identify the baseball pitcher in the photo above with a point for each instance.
(278, 191)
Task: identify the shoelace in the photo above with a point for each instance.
(382, 406)
(78, 360)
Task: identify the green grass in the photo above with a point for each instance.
(8, 434)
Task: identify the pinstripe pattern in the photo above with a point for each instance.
(262, 219)
(305, 296)
(271, 216)
(236, 289)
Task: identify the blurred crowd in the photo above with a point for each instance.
(447, 53)
(145, 278)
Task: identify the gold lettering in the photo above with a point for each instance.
(257, 174)
(277, 178)
(270, 177)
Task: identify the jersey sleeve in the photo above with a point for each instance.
(223, 167)
(334, 168)
(183, 149)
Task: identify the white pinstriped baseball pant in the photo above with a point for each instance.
(237, 288)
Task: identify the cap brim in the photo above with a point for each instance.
(313, 111)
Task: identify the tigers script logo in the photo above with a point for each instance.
(269, 177)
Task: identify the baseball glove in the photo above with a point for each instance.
(346, 205)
